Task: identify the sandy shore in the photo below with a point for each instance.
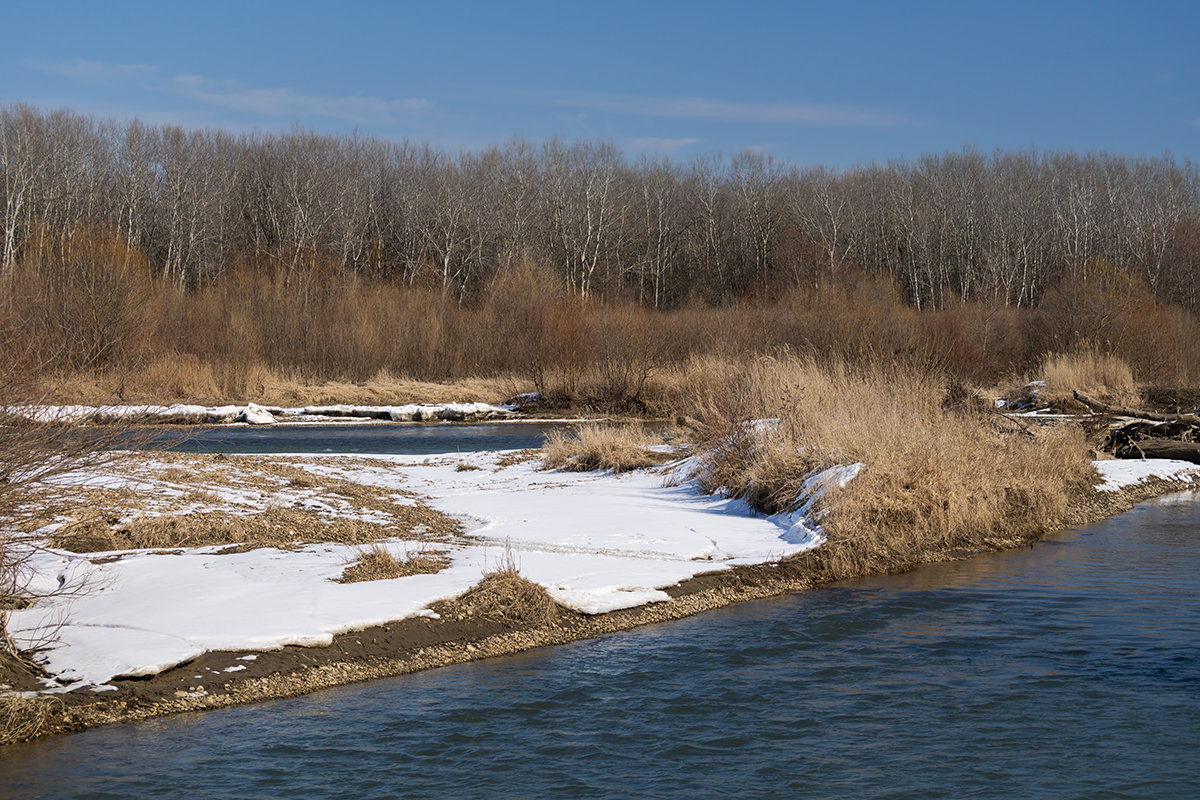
(221, 679)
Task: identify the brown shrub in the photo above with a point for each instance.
(87, 295)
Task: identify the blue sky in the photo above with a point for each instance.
(829, 83)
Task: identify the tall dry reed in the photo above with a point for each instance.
(937, 476)
(1092, 372)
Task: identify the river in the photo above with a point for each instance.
(1068, 670)
(405, 438)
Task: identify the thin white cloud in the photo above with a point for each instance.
(275, 103)
(655, 144)
(735, 111)
(285, 102)
(95, 72)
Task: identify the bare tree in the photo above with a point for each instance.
(956, 226)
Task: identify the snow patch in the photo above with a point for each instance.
(256, 415)
(1119, 473)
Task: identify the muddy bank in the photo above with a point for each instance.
(221, 679)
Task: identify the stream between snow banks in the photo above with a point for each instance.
(1068, 670)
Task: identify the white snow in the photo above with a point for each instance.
(597, 541)
(255, 414)
(1118, 474)
(47, 413)
(803, 524)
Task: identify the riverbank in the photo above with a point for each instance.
(256, 414)
(451, 632)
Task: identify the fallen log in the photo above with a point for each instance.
(1120, 411)
(1160, 448)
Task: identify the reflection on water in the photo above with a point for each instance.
(1068, 670)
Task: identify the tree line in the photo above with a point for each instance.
(962, 226)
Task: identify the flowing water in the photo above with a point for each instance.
(1069, 670)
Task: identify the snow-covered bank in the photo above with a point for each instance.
(596, 541)
(447, 412)
(254, 414)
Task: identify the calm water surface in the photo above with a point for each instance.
(349, 437)
(1071, 670)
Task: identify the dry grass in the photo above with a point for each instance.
(1092, 372)
(379, 563)
(177, 475)
(517, 457)
(202, 497)
(936, 478)
(618, 448)
(506, 597)
(677, 386)
(24, 718)
(286, 504)
(275, 527)
(185, 378)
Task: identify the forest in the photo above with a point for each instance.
(343, 257)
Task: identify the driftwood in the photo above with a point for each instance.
(1160, 448)
(1145, 434)
(1120, 411)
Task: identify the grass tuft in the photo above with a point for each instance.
(378, 563)
(618, 448)
(274, 527)
(505, 596)
(24, 718)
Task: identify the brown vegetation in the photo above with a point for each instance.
(936, 476)
(274, 527)
(379, 563)
(24, 718)
(1091, 372)
(153, 264)
(506, 597)
(591, 446)
(215, 345)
